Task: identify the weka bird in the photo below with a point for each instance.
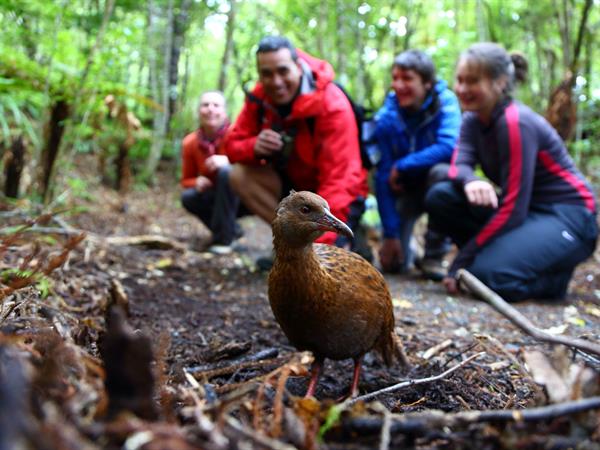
(326, 299)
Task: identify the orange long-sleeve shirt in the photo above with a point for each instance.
(194, 151)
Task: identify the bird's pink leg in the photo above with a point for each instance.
(315, 372)
(355, 378)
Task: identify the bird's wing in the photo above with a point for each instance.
(352, 272)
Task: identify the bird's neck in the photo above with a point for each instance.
(301, 255)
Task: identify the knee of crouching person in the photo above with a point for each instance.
(436, 196)
(236, 176)
(438, 173)
(187, 198)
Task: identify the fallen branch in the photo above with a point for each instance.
(153, 241)
(424, 421)
(255, 437)
(498, 303)
(43, 230)
(208, 374)
(407, 383)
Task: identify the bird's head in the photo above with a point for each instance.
(304, 216)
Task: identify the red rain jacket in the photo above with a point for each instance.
(326, 157)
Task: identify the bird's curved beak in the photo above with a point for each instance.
(328, 222)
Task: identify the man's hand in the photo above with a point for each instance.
(268, 143)
(215, 162)
(481, 193)
(451, 285)
(395, 181)
(203, 183)
(391, 255)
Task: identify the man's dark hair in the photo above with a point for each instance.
(274, 43)
(418, 61)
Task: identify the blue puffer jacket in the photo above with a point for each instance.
(413, 143)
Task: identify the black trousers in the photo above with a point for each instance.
(535, 259)
(411, 206)
(217, 208)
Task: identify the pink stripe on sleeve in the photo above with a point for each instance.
(453, 170)
(514, 177)
(553, 167)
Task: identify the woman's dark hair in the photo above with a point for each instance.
(496, 62)
(418, 61)
(274, 43)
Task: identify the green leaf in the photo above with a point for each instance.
(44, 285)
(333, 417)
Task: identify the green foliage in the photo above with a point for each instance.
(44, 286)
(8, 274)
(51, 51)
(79, 188)
(332, 418)
(42, 283)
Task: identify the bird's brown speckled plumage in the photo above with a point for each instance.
(326, 299)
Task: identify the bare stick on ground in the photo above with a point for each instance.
(421, 422)
(402, 385)
(499, 304)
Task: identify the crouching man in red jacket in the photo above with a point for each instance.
(296, 131)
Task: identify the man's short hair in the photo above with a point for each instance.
(418, 61)
(212, 91)
(274, 43)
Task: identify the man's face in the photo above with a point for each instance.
(212, 113)
(409, 88)
(279, 74)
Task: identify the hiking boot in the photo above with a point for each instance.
(264, 263)
(432, 268)
(220, 249)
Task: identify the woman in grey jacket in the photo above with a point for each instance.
(522, 230)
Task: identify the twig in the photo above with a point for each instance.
(45, 230)
(420, 423)
(208, 374)
(257, 438)
(407, 383)
(498, 303)
(384, 441)
(432, 351)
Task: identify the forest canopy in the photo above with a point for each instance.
(64, 62)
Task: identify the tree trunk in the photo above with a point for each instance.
(186, 78)
(55, 129)
(482, 30)
(108, 10)
(412, 23)
(13, 167)
(340, 26)
(60, 112)
(359, 86)
(168, 56)
(580, 35)
(225, 61)
(562, 112)
(180, 26)
(322, 30)
(160, 117)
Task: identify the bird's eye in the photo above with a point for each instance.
(305, 209)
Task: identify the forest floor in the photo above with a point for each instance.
(224, 374)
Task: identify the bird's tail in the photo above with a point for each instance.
(392, 349)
